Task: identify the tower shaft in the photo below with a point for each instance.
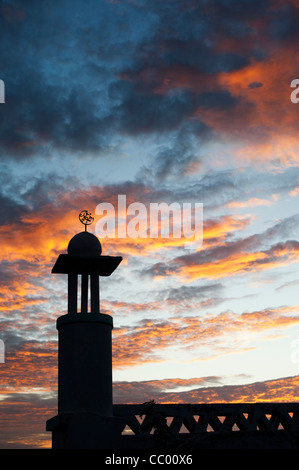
(85, 363)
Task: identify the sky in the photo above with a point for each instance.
(174, 101)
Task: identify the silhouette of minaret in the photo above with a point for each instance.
(85, 409)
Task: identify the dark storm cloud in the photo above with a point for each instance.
(187, 32)
(217, 98)
(21, 196)
(38, 118)
(75, 80)
(54, 80)
(177, 157)
(284, 23)
(9, 209)
(148, 112)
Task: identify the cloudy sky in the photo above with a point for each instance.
(184, 101)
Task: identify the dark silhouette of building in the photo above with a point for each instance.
(87, 418)
(85, 411)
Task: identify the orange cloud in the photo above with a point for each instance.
(29, 366)
(263, 121)
(216, 230)
(40, 236)
(279, 390)
(144, 341)
(282, 254)
(22, 420)
(264, 111)
(254, 201)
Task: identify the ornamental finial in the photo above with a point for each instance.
(86, 218)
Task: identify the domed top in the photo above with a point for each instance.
(84, 244)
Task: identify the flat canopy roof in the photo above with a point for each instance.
(101, 265)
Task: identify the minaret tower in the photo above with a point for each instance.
(85, 410)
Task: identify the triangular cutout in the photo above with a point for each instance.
(127, 431)
(184, 429)
(140, 418)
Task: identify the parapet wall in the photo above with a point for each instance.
(209, 426)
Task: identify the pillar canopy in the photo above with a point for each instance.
(101, 265)
(84, 256)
